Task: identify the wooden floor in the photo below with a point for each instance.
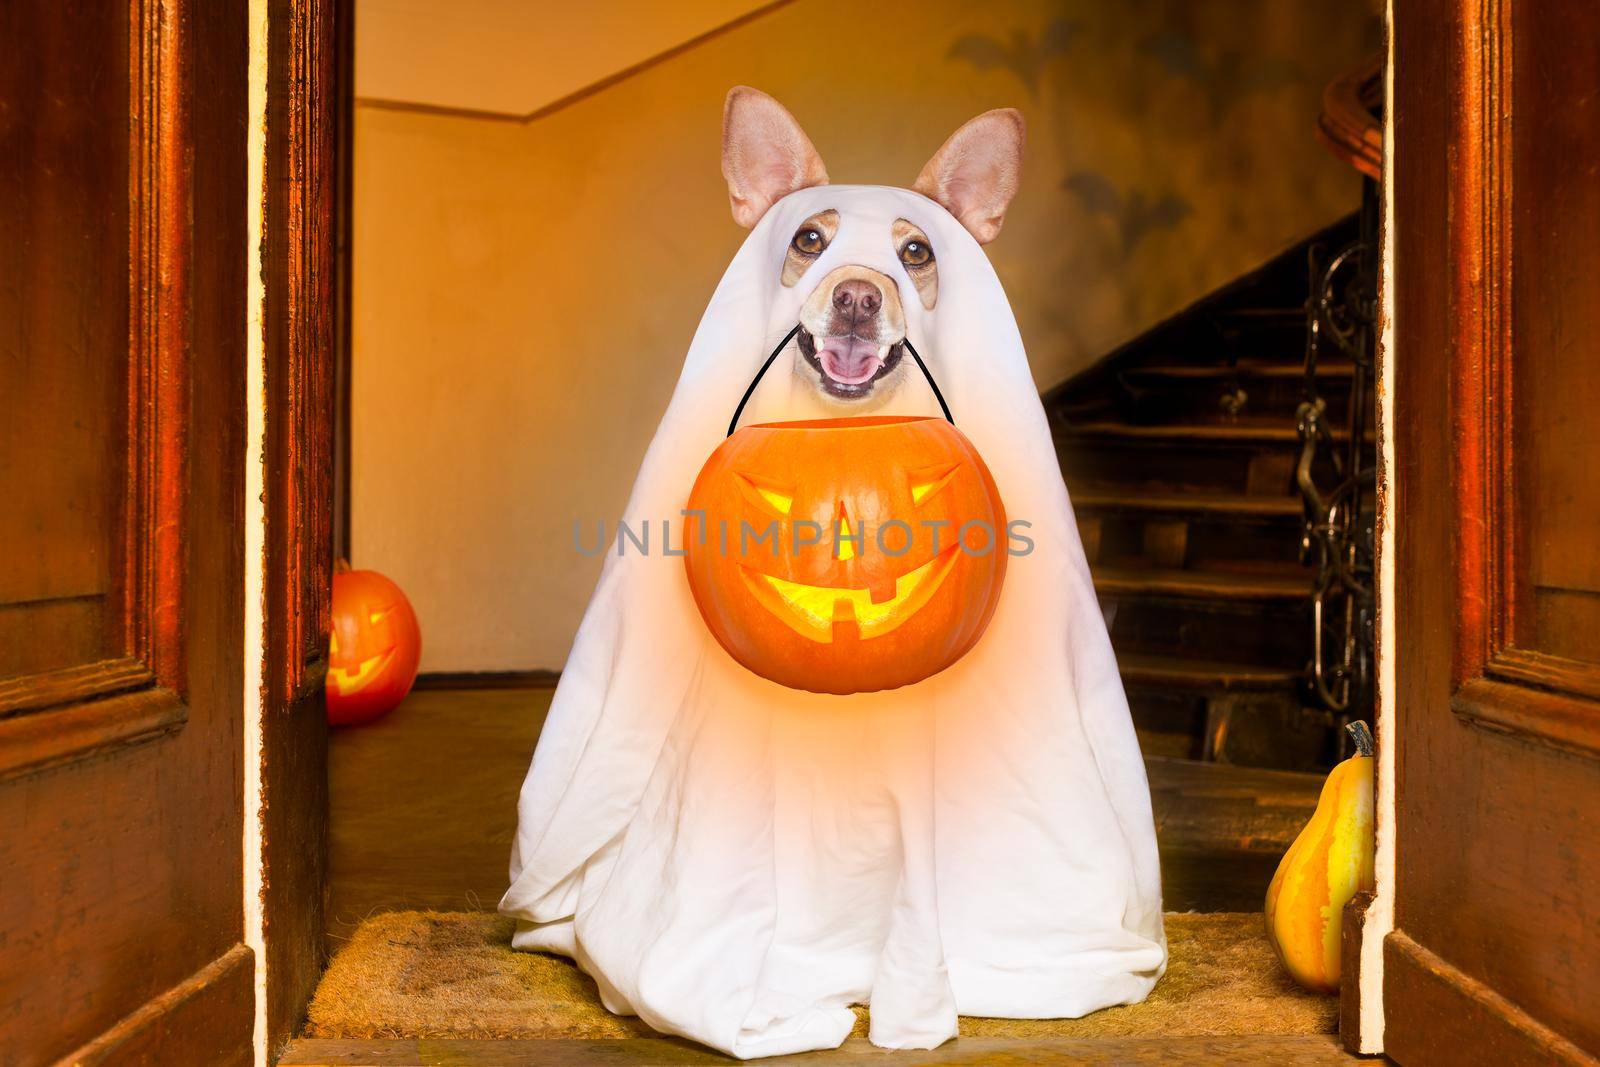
(424, 803)
(424, 810)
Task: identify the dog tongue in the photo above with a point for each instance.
(849, 360)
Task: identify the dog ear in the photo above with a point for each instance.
(976, 172)
(765, 154)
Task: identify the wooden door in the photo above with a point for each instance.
(1495, 956)
(122, 393)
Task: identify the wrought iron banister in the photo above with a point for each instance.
(1336, 478)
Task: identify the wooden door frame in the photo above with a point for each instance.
(1369, 918)
(343, 228)
(307, 74)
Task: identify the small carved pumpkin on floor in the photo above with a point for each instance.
(375, 646)
(1328, 864)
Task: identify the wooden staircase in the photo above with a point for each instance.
(1180, 451)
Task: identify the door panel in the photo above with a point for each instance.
(63, 212)
(83, 573)
(1555, 331)
(121, 458)
(1495, 958)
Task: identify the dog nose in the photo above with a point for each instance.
(857, 298)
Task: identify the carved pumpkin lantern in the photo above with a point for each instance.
(846, 555)
(375, 646)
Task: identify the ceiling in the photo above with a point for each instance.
(514, 57)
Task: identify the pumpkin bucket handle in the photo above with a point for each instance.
(733, 423)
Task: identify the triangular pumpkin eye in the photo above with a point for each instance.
(927, 481)
(763, 492)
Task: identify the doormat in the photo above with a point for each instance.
(420, 974)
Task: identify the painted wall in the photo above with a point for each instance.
(496, 55)
(524, 292)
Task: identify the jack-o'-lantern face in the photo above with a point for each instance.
(846, 555)
(374, 647)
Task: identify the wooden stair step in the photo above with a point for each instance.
(1220, 628)
(1274, 432)
(1218, 585)
(1243, 369)
(1172, 744)
(1214, 468)
(1230, 394)
(1281, 315)
(1220, 504)
(1179, 672)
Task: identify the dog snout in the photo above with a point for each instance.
(857, 299)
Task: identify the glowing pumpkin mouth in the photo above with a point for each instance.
(353, 681)
(817, 611)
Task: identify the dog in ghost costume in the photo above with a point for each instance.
(738, 862)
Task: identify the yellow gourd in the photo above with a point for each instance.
(1327, 864)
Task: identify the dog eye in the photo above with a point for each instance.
(916, 254)
(809, 241)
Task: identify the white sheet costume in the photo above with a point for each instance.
(738, 862)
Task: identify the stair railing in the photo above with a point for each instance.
(1335, 478)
